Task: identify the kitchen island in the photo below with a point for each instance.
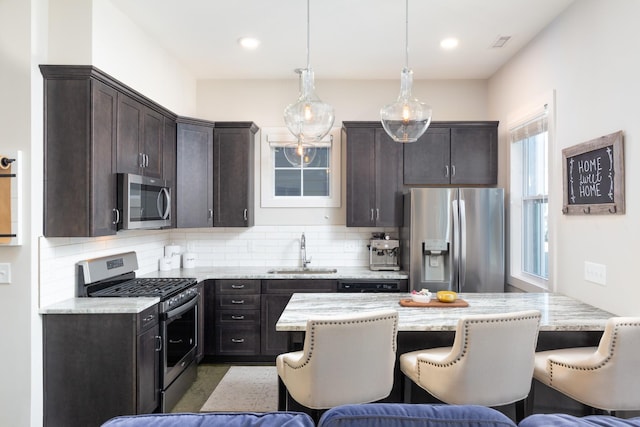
(559, 312)
(565, 322)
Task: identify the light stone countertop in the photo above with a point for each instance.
(203, 273)
(136, 305)
(100, 306)
(559, 312)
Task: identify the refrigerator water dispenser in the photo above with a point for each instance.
(435, 260)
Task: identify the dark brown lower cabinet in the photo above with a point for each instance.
(98, 366)
(275, 296)
(237, 317)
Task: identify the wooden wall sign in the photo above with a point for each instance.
(593, 175)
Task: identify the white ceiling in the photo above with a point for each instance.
(350, 39)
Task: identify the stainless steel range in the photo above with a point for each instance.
(114, 276)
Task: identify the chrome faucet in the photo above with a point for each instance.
(303, 252)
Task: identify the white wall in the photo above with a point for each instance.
(589, 57)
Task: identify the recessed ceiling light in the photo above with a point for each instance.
(449, 43)
(249, 43)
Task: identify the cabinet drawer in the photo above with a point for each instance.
(242, 302)
(231, 317)
(238, 340)
(238, 286)
(148, 318)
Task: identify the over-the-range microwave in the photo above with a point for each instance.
(143, 202)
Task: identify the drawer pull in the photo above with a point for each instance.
(237, 286)
(238, 301)
(234, 317)
(149, 318)
(237, 340)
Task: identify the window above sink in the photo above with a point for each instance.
(314, 182)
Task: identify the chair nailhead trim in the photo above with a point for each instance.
(343, 322)
(612, 346)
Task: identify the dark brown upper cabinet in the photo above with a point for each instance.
(215, 173)
(453, 153)
(194, 174)
(86, 111)
(374, 176)
(140, 138)
(233, 174)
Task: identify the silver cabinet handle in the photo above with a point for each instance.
(117, 212)
(446, 171)
(234, 317)
(237, 286)
(372, 214)
(141, 160)
(146, 160)
(245, 214)
(453, 170)
(158, 343)
(237, 340)
(237, 301)
(210, 214)
(377, 214)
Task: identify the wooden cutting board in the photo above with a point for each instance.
(433, 303)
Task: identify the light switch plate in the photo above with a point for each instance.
(5, 272)
(596, 273)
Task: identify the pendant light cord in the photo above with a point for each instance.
(308, 37)
(406, 35)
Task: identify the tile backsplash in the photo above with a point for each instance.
(277, 246)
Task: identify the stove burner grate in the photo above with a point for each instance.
(145, 287)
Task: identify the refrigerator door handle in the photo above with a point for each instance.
(456, 246)
(463, 246)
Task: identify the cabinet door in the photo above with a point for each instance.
(427, 160)
(194, 195)
(233, 170)
(474, 156)
(169, 149)
(388, 179)
(148, 371)
(153, 141)
(103, 194)
(361, 187)
(130, 134)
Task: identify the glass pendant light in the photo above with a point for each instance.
(406, 119)
(300, 154)
(308, 119)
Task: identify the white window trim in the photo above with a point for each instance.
(515, 276)
(267, 171)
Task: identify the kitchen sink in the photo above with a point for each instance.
(299, 270)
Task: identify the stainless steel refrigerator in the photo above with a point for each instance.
(453, 239)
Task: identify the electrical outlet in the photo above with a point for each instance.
(5, 272)
(596, 273)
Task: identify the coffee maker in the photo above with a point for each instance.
(383, 253)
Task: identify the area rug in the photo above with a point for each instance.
(245, 388)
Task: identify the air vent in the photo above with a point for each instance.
(501, 41)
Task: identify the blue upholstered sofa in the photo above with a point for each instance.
(372, 415)
(220, 419)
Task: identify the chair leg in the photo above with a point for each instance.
(282, 395)
(528, 401)
(406, 392)
(520, 410)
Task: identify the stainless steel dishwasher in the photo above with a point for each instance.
(373, 285)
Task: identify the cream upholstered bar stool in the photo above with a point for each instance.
(345, 359)
(490, 362)
(606, 377)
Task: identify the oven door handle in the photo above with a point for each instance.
(183, 308)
